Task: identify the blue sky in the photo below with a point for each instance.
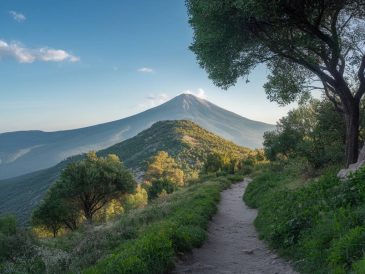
(73, 63)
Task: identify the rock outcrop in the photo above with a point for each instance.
(344, 173)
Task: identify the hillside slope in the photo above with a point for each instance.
(28, 151)
(185, 141)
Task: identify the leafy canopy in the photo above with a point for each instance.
(300, 41)
(164, 167)
(306, 44)
(314, 131)
(84, 187)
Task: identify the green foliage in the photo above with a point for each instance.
(231, 39)
(8, 225)
(314, 131)
(54, 212)
(144, 240)
(184, 141)
(85, 186)
(224, 163)
(359, 266)
(136, 200)
(320, 225)
(347, 249)
(17, 252)
(163, 167)
(158, 186)
(302, 43)
(165, 233)
(151, 253)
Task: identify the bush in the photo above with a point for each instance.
(348, 249)
(152, 253)
(236, 178)
(158, 186)
(177, 225)
(319, 224)
(359, 266)
(17, 252)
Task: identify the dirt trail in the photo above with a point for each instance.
(233, 245)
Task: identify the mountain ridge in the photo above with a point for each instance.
(23, 152)
(186, 142)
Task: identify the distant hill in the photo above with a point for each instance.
(28, 151)
(186, 142)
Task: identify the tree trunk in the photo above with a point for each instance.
(352, 116)
(88, 215)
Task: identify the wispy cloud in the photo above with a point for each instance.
(17, 16)
(154, 100)
(200, 93)
(28, 55)
(146, 70)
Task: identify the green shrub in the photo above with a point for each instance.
(320, 224)
(177, 225)
(152, 253)
(348, 248)
(187, 237)
(359, 266)
(160, 185)
(316, 242)
(236, 178)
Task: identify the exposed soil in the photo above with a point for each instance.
(233, 245)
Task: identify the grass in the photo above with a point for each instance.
(319, 224)
(140, 241)
(153, 249)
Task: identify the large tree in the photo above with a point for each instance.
(164, 167)
(306, 44)
(85, 186)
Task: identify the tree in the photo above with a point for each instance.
(85, 186)
(162, 166)
(55, 212)
(306, 44)
(159, 186)
(213, 163)
(314, 131)
(162, 175)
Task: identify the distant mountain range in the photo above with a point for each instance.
(185, 141)
(27, 151)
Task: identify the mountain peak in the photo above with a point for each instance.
(187, 102)
(188, 97)
(24, 152)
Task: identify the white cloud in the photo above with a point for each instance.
(145, 70)
(17, 16)
(200, 93)
(154, 100)
(27, 55)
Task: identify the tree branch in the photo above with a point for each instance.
(332, 98)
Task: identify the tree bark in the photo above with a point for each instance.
(352, 117)
(88, 215)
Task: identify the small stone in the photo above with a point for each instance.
(248, 251)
